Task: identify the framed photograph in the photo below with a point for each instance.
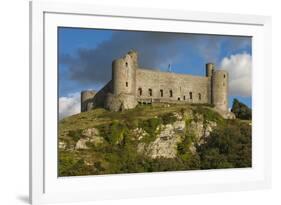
(129, 102)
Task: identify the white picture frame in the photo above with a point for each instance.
(46, 187)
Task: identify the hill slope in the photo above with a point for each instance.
(151, 138)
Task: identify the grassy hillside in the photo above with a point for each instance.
(151, 138)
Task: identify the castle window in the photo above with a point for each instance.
(184, 97)
(224, 75)
(140, 91)
(190, 95)
(179, 99)
(126, 84)
(150, 92)
(171, 93)
(161, 93)
(126, 64)
(199, 96)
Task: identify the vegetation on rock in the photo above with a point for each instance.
(152, 138)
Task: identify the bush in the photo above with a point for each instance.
(75, 134)
(114, 132)
(168, 118)
(69, 165)
(226, 147)
(150, 127)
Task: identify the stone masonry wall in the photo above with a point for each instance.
(187, 88)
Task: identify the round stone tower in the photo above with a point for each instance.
(87, 100)
(124, 74)
(123, 83)
(220, 90)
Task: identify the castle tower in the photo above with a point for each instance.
(124, 71)
(124, 74)
(220, 90)
(134, 56)
(210, 68)
(87, 100)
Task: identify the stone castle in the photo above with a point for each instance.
(131, 85)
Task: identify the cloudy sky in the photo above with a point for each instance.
(85, 57)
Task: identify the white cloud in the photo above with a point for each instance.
(69, 105)
(239, 67)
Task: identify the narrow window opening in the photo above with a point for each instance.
(190, 95)
(184, 97)
(150, 92)
(126, 64)
(126, 84)
(140, 91)
(199, 96)
(179, 99)
(224, 76)
(161, 93)
(171, 93)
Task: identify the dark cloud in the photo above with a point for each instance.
(155, 50)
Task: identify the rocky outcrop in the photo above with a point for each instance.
(81, 144)
(170, 135)
(165, 144)
(90, 135)
(139, 133)
(179, 126)
(62, 145)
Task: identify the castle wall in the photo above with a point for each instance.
(185, 88)
(99, 99)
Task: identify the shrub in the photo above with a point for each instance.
(150, 127)
(114, 132)
(227, 146)
(168, 118)
(75, 134)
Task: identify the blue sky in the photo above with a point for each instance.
(85, 57)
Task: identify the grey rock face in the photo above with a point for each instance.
(179, 126)
(62, 145)
(90, 132)
(81, 144)
(89, 135)
(200, 129)
(165, 144)
(139, 133)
